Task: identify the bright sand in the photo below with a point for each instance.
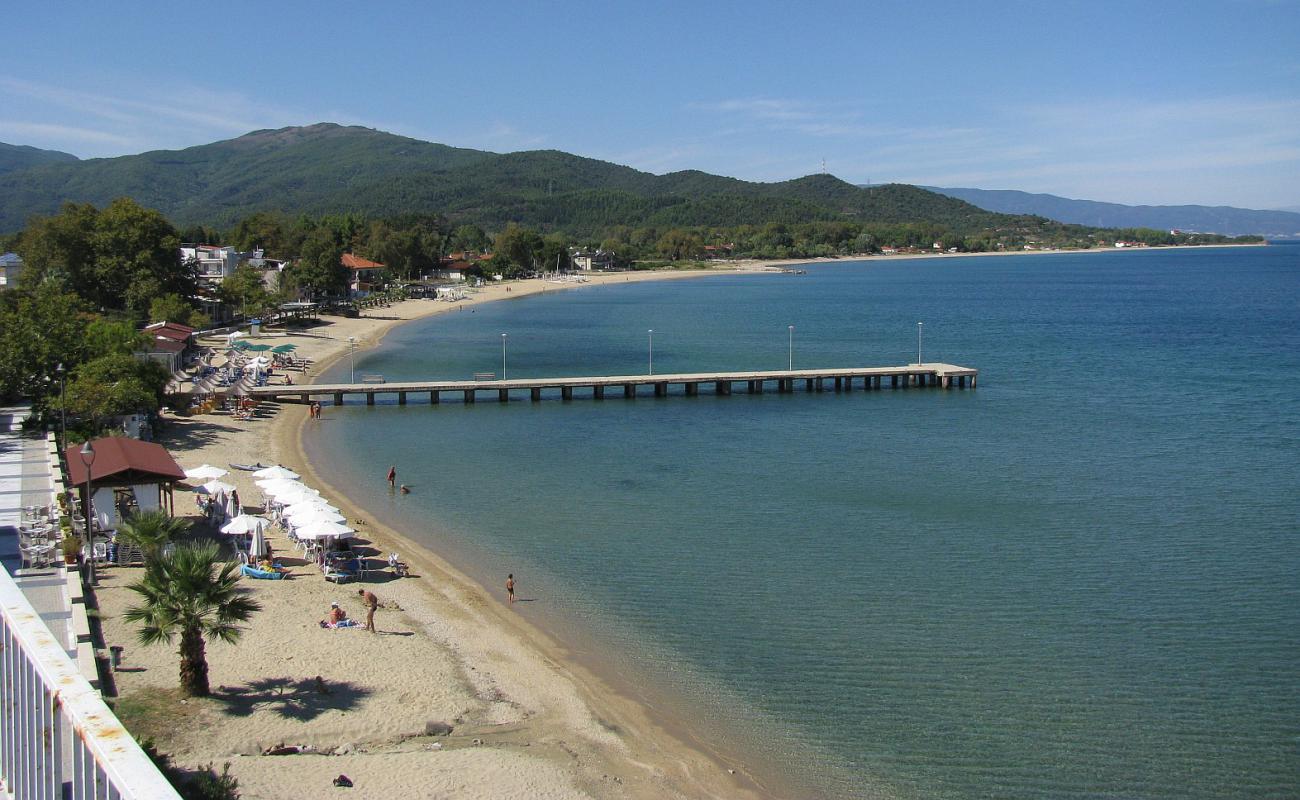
(528, 721)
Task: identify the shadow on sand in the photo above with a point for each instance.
(302, 699)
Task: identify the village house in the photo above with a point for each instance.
(11, 266)
(214, 264)
(587, 260)
(364, 274)
(170, 343)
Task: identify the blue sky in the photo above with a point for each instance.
(1131, 102)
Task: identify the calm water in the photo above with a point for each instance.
(1079, 580)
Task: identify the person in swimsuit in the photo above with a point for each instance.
(392, 476)
(510, 586)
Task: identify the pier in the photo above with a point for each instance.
(944, 376)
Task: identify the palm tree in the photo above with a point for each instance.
(185, 592)
(150, 530)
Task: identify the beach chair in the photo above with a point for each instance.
(337, 575)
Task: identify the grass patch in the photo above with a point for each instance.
(158, 713)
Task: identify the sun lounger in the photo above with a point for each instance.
(261, 574)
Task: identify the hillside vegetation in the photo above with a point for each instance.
(330, 169)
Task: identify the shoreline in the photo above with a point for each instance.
(529, 717)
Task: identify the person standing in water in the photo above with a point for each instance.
(392, 476)
(510, 586)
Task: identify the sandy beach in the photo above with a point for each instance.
(525, 720)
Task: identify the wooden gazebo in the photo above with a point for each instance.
(123, 463)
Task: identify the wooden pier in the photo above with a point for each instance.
(946, 376)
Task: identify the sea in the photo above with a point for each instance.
(1079, 580)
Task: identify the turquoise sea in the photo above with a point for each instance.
(1078, 580)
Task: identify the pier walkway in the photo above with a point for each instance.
(720, 383)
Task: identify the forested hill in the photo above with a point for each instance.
(1206, 219)
(14, 157)
(327, 168)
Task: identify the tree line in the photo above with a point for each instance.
(93, 277)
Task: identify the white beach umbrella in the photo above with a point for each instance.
(310, 515)
(206, 472)
(309, 507)
(277, 472)
(273, 485)
(324, 530)
(215, 488)
(244, 524)
(257, 546)
(290, 497)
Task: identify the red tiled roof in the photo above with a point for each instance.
(161, 344)
(171, 330)
(118, 454)
(357, 262)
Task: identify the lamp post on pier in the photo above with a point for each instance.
(790, 364)
(918, 343)
(63, 412)
(88, 459)
(503, 355)
(352, 350)
(651, 332)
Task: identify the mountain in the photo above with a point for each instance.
(327, 168)
(14, 157)
(1204, 219)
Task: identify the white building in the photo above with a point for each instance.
(11, 266)
(214, 264)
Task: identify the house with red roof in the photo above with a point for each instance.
(364, 273)
(169, 343)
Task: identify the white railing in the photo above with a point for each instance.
(57, 737)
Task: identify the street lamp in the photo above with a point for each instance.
(63, 412)
(651, 332)
(918, 343)
(352, 350)
(503, 355)
(790, 366)
(88, 458)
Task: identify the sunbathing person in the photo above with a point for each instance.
(337, 618)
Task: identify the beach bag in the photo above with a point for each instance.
(343, 780)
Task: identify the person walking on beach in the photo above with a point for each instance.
(372, 603)
(510, 586)
(392, 477)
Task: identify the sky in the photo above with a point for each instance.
(1164, 103)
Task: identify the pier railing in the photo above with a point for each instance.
(58, 739)
(721, 383)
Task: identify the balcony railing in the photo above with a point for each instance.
(57, 737)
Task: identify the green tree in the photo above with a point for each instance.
(61, 248)
(469, 237)
(267, 230)
(151, 530)
(137, 257)
(244, 291)
(174, 308)
(106, 337)
(188, 594)
(521, 247)
(321, 269)
(39, 330)
(113, 386)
